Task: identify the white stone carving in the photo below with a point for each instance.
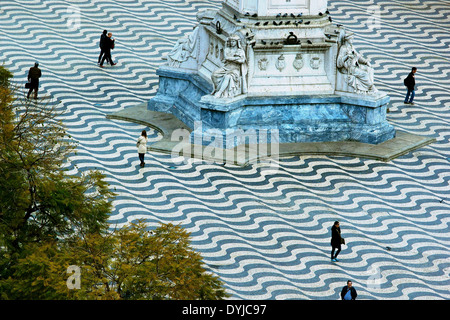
(354, 70)
(183, 49)
(262, 64)
(272, 7)
(315, 62)
(298, 62)
(230, 80)
(281, 63)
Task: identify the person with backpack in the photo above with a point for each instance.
(410, 83)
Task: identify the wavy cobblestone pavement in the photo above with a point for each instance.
(266, 235)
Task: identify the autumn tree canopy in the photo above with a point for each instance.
(50, 221)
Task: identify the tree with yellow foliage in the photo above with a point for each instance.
(50, 221)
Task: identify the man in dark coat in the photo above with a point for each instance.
(33, 77)
(102, 45)
(348, 292)
(410, 83)
(336, 240)
(109, 45)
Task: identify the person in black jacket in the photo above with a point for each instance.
(33, 77)
(410, 83)
(109, 45)
(348, 292)
(336, 240)
(102, 45)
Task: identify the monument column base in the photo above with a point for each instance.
(307, 118)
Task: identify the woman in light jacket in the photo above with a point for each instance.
(142, 147)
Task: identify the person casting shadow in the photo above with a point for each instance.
(336, 241)
(142, 147)
(109, 45)
(102, 45)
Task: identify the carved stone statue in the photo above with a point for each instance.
(229, 80)
(183, 49)
(271, 64)
(357, 71)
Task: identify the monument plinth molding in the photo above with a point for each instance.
(272, 64)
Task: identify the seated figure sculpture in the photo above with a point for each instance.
(359, 73)
(183, 49)
(229, 80)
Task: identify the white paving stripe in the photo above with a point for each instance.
(265, 235)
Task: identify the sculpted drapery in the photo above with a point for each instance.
(183, 49)
(358, 72)
(229, 80)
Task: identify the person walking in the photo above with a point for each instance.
(102, 45)
(142, 147)
(410, 83)
(349, 292)
(336, 241)
(109, 45)
(33, 78)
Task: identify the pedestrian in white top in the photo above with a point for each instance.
(142, 147)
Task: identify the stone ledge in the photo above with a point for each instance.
(165, 123)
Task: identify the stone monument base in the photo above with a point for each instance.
(167, 125)
(304, 118)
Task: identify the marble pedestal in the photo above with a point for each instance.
(299, 118)
(247, 74)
